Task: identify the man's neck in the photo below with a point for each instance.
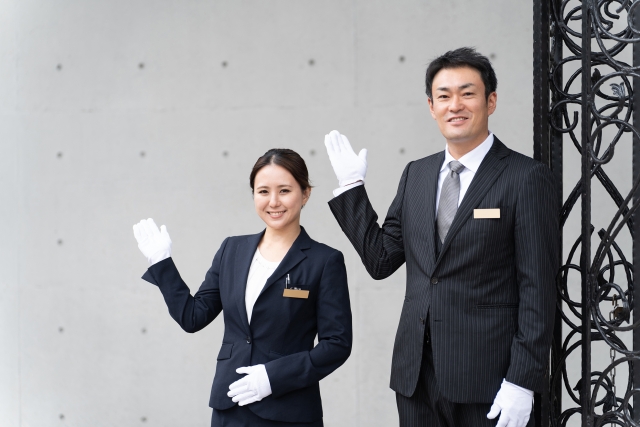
(458, 149)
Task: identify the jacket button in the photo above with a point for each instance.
(422, 320)
(248, 340)
(434, 280)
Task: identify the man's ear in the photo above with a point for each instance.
(492, 102)
(430, 101)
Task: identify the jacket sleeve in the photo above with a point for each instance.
(537, 242)
(381, 249)
(191, 312)
(335, 336)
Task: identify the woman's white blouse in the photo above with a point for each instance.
(259, 272)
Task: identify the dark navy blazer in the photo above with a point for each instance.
(282, 330)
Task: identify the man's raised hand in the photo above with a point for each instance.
(348, 167)
(154, 243)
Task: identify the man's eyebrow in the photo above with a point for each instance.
(464, 86)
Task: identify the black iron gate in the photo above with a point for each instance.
(586, 65)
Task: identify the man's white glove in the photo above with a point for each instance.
(514, 403)
(154, 243)
(348, 166)
(251, 388)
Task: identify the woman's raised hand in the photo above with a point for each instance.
(154, 243)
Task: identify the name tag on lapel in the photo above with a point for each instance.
(486, 213)
(295, 293)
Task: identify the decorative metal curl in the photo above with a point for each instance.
(590, 109)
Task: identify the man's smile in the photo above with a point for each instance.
(456, 119)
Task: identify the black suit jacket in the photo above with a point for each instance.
(490, 294)
(282, 330)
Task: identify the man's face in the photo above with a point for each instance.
(460, 107)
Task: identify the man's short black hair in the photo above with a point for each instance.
(463, 57)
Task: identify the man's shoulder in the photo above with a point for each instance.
(431, 160)
(515, 158)
(522, 162)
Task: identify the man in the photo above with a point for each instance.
(477, 225)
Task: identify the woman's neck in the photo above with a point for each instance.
(276, 243)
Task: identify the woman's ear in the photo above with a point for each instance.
(305, 195)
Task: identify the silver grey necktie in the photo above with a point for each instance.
(448, 205)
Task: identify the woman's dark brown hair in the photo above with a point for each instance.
(288, 159)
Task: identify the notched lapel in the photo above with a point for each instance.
(293, 257)
(244, 255)
(490, 169)
(427, 228)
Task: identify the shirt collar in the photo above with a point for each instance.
(473, 158)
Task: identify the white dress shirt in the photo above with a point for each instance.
(471, 162)
(259, 272)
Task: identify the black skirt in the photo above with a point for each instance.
(242, 416)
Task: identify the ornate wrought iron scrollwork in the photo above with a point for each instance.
(586, 67)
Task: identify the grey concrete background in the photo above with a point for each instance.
(114, 111)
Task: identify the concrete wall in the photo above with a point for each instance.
(114, 111)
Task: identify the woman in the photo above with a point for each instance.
(278, 289)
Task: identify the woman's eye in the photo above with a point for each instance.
(284, 191)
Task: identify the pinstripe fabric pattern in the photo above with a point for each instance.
(490, 293)
(449, 199)
(427, 408)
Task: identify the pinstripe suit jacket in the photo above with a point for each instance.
(490, 294)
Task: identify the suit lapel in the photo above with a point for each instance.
(244, 256)
(431, 171)
(291, 259)
(490, 169)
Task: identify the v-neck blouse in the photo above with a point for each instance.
(260, 270)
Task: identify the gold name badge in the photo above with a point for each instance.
(295, 293)
(486, 213)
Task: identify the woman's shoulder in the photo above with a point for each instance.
(322, 248)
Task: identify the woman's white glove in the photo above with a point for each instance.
(154, 243)
(348, 166)
(253, 387)
(513, 403)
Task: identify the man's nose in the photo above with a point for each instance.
(456, 103)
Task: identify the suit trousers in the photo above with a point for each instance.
(428, 408)
(242, 416)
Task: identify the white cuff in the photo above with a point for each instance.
(338, 191)
(524, 390)
(161, 255)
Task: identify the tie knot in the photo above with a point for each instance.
(456, 166)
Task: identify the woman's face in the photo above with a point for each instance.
(278, 197)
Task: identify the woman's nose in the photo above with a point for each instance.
(274, 200)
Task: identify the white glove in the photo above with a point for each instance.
(515, 404)
(348, 166)
(251, 388)
(154, 243)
